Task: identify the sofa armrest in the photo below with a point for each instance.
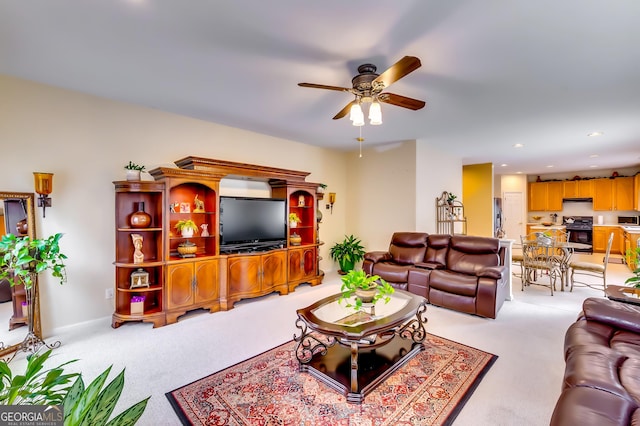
(616, 314)
(429, 265)
(495, 272)
(377, 256)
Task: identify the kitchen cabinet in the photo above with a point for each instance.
(630, 243)
(613, 194)
(302, 264)
(601, 238)
(578, 189)
(636, 192)
(546, 196)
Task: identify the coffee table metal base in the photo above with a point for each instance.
(336, 369)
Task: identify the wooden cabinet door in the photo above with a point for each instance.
(274, 270)
(600, 239)
(538, 196)
(206, 288)
(636, 191)
(554, 196)
(243, 276)
(602, 194)
(623, 189)
(180, 280)
(570, 188)
(302, 263)
(585, 188)
(617, 238)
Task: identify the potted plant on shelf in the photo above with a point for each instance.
(321, 188)
(451, 198)
(133, 170)
(347, 253)
(366, 288)
(21, 260)
(186, 227)
(294, 219)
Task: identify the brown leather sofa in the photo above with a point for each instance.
(602, 375)
(464, 273)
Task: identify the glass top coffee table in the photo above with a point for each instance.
(354, 351)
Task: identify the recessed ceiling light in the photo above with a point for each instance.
(503, 165)
(549, 166)
(594, 156)
(518, 145)
(518, 173)
(595, 134)
(593, 166)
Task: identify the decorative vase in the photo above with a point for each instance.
(295, 239)
(319, 216)
(22, 227)
(366, 295)
(293, 224)
(187, 249)
(140, 219)
(205, 230)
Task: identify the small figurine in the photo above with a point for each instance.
(138, 256)
(199, 205)
(301, 201)
(205, 230)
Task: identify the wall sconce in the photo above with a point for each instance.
(44, 186)
(332, 199)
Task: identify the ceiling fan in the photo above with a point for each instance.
(368, 88)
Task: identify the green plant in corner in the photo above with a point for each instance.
(356, 280)
(134, 166)
(635, 279)
(347, 253)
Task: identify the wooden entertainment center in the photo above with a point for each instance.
(164, 284)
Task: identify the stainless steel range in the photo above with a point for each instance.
(581, 230)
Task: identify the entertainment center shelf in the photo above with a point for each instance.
(163, 273)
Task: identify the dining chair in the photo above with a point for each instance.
(591, 269)
(539, 261)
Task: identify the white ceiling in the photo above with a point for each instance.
(494, 73)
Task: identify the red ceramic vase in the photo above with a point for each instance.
(140, 219)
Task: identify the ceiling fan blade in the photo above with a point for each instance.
(322, 86)
(401, 101)
(398, 70)
(344, 111)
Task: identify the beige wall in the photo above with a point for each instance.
(380, 197)
(477, 195)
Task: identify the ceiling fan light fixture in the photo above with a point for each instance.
(356, 115)
(375, 113)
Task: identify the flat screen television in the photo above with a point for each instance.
(247, 220)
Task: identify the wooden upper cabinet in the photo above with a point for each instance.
(636, 191)
(546, 196)
(613, 194)
(623, 192)
(603, 194)
(578, 188)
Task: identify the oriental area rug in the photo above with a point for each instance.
(268, 389)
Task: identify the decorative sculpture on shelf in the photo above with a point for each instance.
(205, 230)
(138, 256)
(199, 205)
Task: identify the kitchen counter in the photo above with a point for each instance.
(537, 226)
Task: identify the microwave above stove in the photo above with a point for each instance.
(629, 220)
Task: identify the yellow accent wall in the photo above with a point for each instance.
(477, 197)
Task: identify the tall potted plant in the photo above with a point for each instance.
(21, 260)
(347, 253)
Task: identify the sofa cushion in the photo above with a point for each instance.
(437, 248)
(469, 254)
(615, 314)
(392, 272)
(407, 248)
(586, 406)
(450, 282)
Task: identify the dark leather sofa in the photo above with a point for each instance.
(602, 374)
(464, 273)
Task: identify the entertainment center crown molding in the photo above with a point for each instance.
(214, 279)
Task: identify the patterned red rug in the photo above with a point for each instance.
(269, 390)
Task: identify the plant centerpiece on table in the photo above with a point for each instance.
(186, 227)
(294, 220)
(347, 253)
(21, 260)
(635, 279)
(133, 170)
(366, 288)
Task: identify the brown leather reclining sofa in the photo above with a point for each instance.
(464, 273)
(602, 374)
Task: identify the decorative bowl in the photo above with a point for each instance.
(187, 249)
(536, 217)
